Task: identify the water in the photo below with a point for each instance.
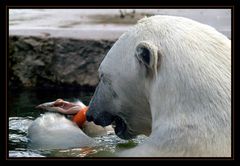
(22, 112)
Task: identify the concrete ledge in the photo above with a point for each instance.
(80, 34)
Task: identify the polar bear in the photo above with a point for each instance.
(168, 78)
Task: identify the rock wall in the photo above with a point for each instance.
(38, 62)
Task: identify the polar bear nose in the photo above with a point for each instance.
(102, 118)
(89, 117)
(91, 111)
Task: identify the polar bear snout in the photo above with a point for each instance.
(99, 109)
(99, 118)
(104, 118)
(103, 112)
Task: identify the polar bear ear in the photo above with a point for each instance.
(148, 55)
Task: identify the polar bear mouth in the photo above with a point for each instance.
(105, 118)
(119, 127)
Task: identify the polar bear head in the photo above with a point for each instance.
(162, 67)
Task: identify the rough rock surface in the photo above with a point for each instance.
(36, 62)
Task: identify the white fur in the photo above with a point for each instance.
(190, 97)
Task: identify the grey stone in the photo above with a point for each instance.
(36, 62)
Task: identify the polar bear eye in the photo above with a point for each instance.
(100, 75)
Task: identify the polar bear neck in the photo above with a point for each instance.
(193, 111)
(195, 90)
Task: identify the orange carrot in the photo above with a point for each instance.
(80, 117)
